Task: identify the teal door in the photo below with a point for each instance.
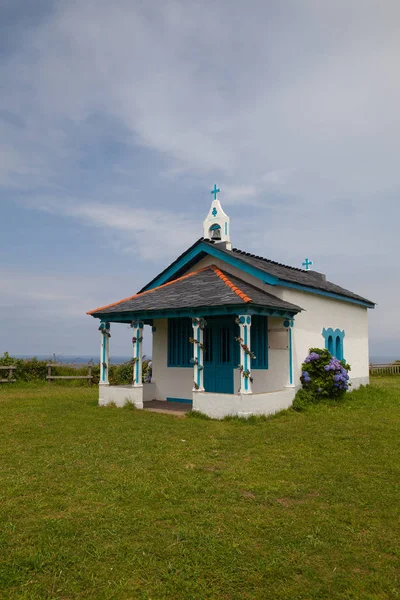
(219, 357)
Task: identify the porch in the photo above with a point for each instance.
(233, 356)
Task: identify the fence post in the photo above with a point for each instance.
(49, 373)
(90, 374)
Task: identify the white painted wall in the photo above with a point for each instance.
(120, 395)
(170, 382)
(320, 312)
(218, 406)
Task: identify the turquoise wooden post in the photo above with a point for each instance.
(137, 342)
(198, 354)
(288, 323)
(244, 322)
(104, 352)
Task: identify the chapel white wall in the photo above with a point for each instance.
(170, 382)
(218, 406)
(320, 312)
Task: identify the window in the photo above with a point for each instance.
(180, 350)
(334, 342)
(259, 341)
(330, 345)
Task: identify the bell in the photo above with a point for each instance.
(216, 234)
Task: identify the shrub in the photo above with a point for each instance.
(32, 369)
(323, 376)
(27, 370)
(302, 399)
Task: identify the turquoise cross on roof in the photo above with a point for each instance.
(307, 264)
(215, 191)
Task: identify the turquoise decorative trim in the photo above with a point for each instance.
(215, 226)
(290, 357)
(202, 248)
(334, 341)
(198, 355)
(215, 191)
(258, 273)
(210, 311)
(210, 249)
(104, 364)
(214, 212)
(138, 356)
(181, 400)
(306, 288)
(226, 228)
(246, 359)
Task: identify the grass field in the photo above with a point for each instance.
(101, 503)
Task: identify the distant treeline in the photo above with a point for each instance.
(32, 369)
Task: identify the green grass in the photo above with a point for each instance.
(101, 503)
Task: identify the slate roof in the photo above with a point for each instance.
(294, 275)
(311, 279)
(206, 287)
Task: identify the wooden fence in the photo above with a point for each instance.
(390, 369)
(10, 369)
(51, 366)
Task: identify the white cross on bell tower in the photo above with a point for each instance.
(217, 223)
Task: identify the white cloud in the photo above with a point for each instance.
(293, 111)
(146, 233)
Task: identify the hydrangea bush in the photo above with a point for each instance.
(323, 376)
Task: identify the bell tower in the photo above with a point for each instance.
(217, 223)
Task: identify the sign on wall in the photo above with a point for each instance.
(278, 339)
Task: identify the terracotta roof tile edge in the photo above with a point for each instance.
(147, 292)
(229, 283)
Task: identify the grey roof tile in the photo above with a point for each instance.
(201, 288)
(311, 279)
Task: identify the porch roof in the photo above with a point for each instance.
(208, 288)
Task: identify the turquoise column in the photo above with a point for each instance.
(288, 323)
(244, 322)
(198, 325)
(137, 342)
(104, 352)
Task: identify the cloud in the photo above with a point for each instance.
(148, 234)
(116, 114)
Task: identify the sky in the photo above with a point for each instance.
(117, 118)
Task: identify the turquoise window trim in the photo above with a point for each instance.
(334, 341)
(180, 350)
